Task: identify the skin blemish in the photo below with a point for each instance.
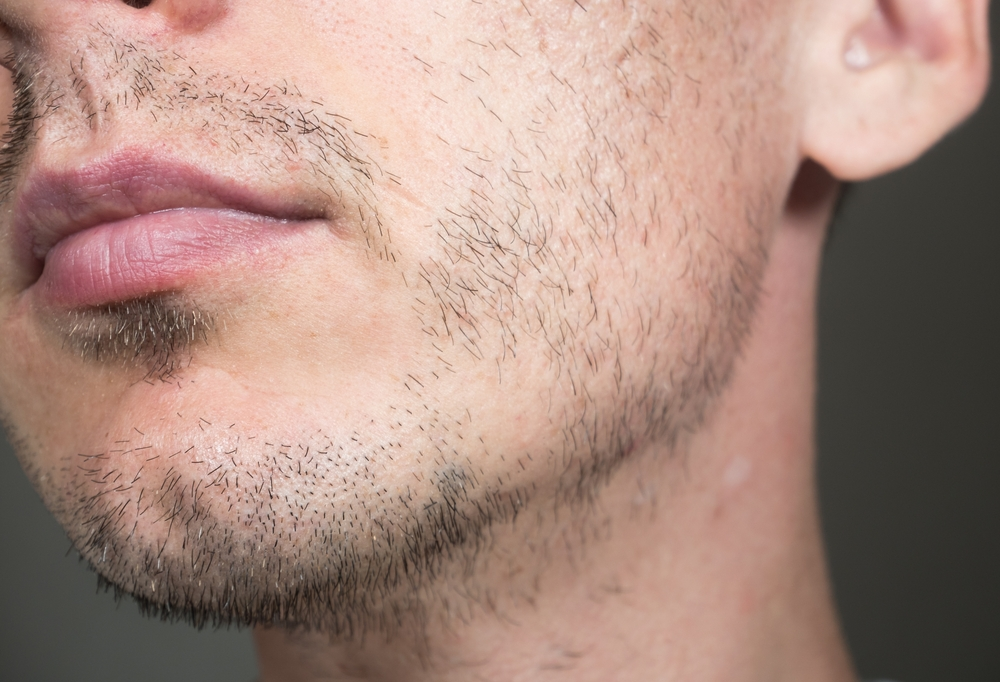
(737, 472)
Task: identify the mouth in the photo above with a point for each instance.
(130, 226)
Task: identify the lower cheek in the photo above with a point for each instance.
(41, 396)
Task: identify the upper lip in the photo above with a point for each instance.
(56, 204)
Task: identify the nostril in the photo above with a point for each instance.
(138, 4)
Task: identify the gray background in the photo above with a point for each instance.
(909, 463)
(909, 409)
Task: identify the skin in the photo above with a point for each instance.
(531, 396)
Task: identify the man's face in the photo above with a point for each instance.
(299, 300)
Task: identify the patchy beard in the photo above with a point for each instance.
(261, 528)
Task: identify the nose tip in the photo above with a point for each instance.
(40, 16)
(201, 14)
(184, 15)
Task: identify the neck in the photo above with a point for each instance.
(704, 565)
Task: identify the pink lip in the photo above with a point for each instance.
(132, 226)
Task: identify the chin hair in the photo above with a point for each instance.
(382, 579)
(155, 333)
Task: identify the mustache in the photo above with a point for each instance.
(16, 142)
(124, 90)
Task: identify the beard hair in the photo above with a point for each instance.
(273, 562)
(156, 333)
(347, 581)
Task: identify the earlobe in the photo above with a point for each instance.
(888, 78)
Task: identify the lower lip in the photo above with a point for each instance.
(157, 253)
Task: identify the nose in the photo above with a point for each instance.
(47, 17)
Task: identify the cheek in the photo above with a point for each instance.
(48, 396)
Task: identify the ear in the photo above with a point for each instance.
(888, 78)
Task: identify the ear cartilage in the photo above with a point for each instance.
(857, 56)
